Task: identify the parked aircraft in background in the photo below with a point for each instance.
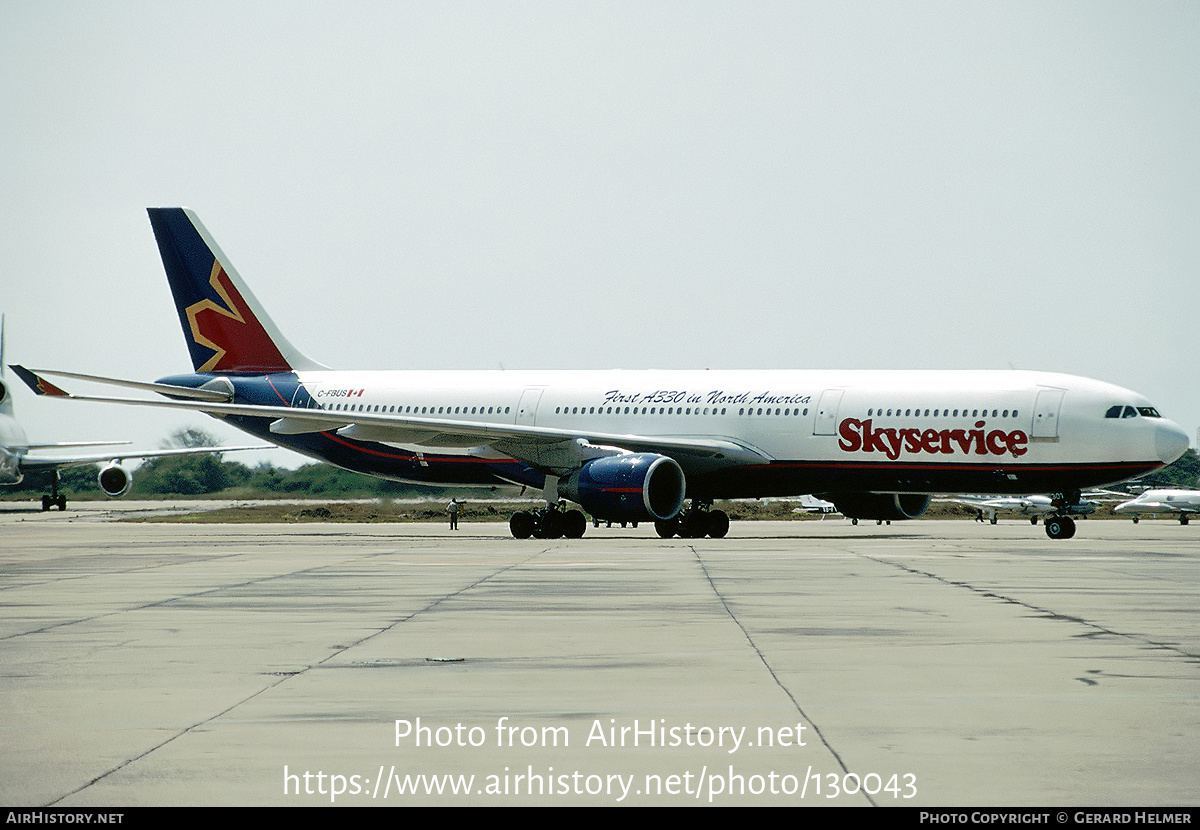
(18, 457)
(1032, 506)
(1150, 502)
(632, 445)
(812, 504)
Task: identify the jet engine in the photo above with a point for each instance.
(880, 506)
(115, 480)
(633, 487)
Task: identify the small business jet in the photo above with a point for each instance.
(1032, 506)
(632, 445)
(1183, 502)
(18, 457)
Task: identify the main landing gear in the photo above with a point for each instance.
(555, 521)
(550, 522)
(695, 522)
(55, 499)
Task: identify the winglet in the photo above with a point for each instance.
(37, 383)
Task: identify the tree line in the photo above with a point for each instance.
(211, 474)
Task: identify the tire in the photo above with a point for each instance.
(1060, 527)
(695, 526)
(718, 524)
(521, 525)
(553, 525)
(666, 528)
(574, 524)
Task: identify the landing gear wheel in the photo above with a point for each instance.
(553, 524)
(718, 524)
(521, 525)
(666, 528)
(1060, 527)
(694, 525)
(1183, 518)
(574, 524)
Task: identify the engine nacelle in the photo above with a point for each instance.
(115, 480)
(636, 487)
(880, 506)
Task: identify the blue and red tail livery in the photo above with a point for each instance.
(223, 324)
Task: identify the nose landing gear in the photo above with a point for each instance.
(1060, 525)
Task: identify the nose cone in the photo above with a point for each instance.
(1170, 441)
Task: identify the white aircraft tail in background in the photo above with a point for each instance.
(19, 457)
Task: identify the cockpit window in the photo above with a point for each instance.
(1120, 411)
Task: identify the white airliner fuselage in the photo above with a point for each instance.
(632, 444)
(1020, 431)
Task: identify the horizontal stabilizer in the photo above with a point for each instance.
(38, 383)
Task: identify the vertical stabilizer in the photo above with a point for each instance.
(225, 327)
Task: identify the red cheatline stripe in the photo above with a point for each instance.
(462, 459)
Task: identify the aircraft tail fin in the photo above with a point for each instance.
(225, 327)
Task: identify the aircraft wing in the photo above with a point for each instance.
(42, 464)
(545, 448)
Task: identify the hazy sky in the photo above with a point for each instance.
(609, 184)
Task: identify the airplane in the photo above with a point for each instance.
(812, 504)
(1032, 506)
(16, 461)
(632, 445)
(1183, 502)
